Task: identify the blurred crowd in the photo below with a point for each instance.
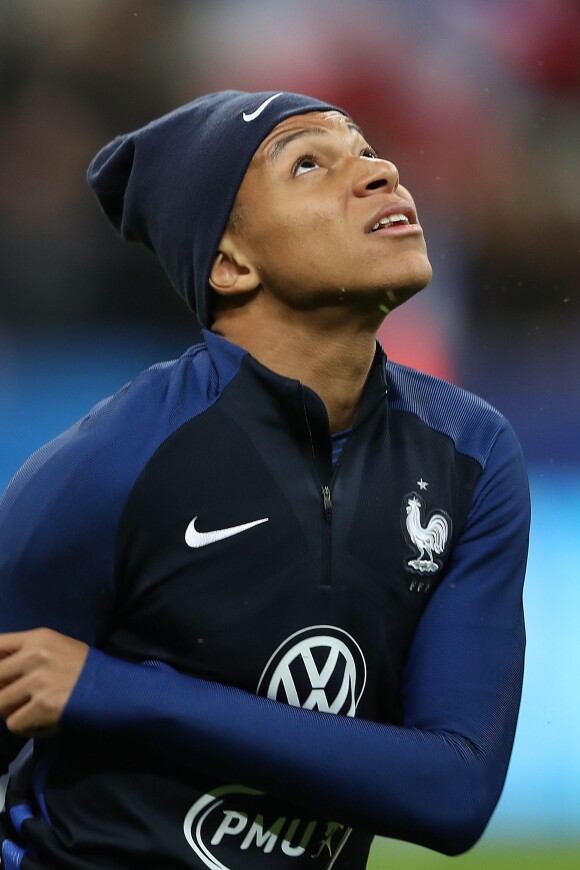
(476, 101)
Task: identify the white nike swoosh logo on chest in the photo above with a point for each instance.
(253, 115)
(196, 539)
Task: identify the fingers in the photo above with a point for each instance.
(35, 716)
(13, 666)
(22, 652)
(10, 642)
(11, 699)
(38, 671)
(13, 640)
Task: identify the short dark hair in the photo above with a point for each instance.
(236, 218)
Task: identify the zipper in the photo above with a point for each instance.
(327, 503)
(326, 536)
(326, 566)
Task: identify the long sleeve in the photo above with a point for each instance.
(60, 514)
(50, 573)
(435, 779)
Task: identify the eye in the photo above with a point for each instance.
(369, 152)
(304, 164)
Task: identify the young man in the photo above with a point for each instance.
(298, 566)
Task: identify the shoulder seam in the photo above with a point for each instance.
(471, 423)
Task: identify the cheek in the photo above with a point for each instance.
(280, 239)
(314, 231)
(288, 243)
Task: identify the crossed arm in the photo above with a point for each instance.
(435, 780)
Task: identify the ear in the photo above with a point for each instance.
(232, 273)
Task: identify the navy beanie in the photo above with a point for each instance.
(172, 184)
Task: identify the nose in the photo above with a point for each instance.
(375, 174)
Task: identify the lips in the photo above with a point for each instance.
(399, 214)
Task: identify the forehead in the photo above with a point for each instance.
(329, 122)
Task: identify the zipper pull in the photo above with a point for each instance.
(327, 503)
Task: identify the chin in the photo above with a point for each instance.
(422, 277)
(411, 280)
(419, 270)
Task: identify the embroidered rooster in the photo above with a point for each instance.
(429, 539)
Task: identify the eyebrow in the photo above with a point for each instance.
(280, 144)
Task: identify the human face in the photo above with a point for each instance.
(312, 197)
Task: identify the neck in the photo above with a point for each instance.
(331, 355)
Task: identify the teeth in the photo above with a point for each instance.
(389, 221)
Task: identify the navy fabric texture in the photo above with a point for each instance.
(92, 541)
(77, 477)
(172, 183)
(433, 781)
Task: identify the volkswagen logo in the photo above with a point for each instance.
(318, 668)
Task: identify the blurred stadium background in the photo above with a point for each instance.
(478, 103)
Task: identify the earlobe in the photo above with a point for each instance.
(231, 274)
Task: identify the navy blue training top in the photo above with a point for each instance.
(288, 656)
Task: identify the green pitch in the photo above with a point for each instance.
(388, 855)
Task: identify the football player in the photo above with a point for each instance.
(266, 601)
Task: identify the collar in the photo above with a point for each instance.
(228, 357)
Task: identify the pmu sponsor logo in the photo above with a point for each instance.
(318, 668)
(223, 826)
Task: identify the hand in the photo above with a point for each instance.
(38, 671)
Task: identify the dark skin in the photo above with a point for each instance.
(303, 284)
(302, 281)
(38, 671)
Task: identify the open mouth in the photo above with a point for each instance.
(392, 220)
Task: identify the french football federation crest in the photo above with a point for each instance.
(429, 538)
